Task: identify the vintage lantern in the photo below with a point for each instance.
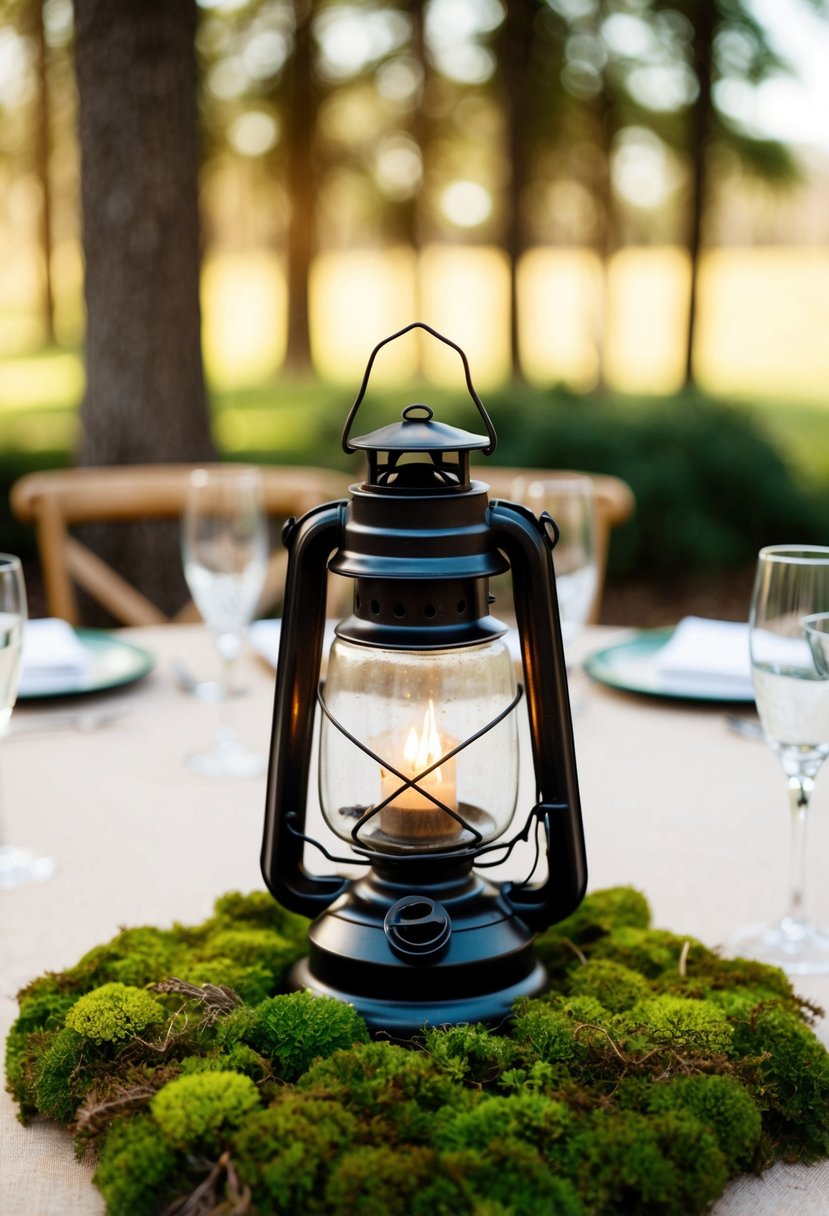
(418, 753)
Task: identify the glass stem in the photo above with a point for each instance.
(228, 647)
(800, 791)
(226, 724)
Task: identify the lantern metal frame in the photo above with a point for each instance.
(422, 937)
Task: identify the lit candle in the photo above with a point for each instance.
(411, 815)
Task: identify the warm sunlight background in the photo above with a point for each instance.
(763, 317)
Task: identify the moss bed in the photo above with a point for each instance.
(650, 1073)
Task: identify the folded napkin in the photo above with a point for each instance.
(712, 655)
(54, 659)
(264, 638)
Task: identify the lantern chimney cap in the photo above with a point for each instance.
(419, 432)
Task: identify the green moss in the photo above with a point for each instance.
(379, 1180)
(58, 1081)
(644, 1077)
(470, 1053)
(283, 1153)
(548, 1032)
(791, 1081)
(294, 1030)
(260, 910)
(652, 952)
(614, 986)
(137, 1168)
(200, 1111)
(251, 983)
(676, 1022)
(721, 1103)
(113, 1012)
(135, 957)
(603, 911)
(261, 947)
(525, 1116)
(669, 1164)
(597, 915)
(239, 1058)
(402, 1087)
(514, 1178)
(43, 1009)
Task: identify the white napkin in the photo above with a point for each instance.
(53, 660)
(264, 638)
(713, 655)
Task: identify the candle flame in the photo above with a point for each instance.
(423, 750)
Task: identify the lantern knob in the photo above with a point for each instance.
(417, 928)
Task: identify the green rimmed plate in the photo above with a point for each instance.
(111, 663)
(632, 666)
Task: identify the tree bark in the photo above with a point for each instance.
(302, 190)
(516, 47)
(42, 149)
(700, 133)
(145, 397)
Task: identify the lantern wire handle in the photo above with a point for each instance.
(487, 421)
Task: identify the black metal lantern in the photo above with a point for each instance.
(418, 756)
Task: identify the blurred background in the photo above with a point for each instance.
(618, 208)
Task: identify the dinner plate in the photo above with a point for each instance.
(111, 663)
(632, 666)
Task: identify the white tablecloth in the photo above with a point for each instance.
(674, 803)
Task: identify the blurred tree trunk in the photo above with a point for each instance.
(701, 116)
(41, 150)
(145, 397)
(302, 188)
(515, 54)
(607, 228)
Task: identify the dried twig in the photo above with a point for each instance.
(95, 1114)
(580, 955)
(683, 959)
(205, 1199)
(217, 1000)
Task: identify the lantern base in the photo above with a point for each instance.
(419, 953)
(403, 1019)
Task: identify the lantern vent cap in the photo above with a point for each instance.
(419, 432)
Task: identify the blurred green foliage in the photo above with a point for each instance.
(713, 481)
(711, 487)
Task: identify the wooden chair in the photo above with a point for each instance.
(57, 500)
(613, 499)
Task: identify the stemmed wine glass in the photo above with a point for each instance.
(18, 866)
(569, 500)
(224, 546)
(790, 674)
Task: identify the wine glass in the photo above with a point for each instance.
(18, 866)
(791, 686)
(569, 500)
(224, 546)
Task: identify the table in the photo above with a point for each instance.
(674, 803)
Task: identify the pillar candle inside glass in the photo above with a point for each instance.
(412, 814)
